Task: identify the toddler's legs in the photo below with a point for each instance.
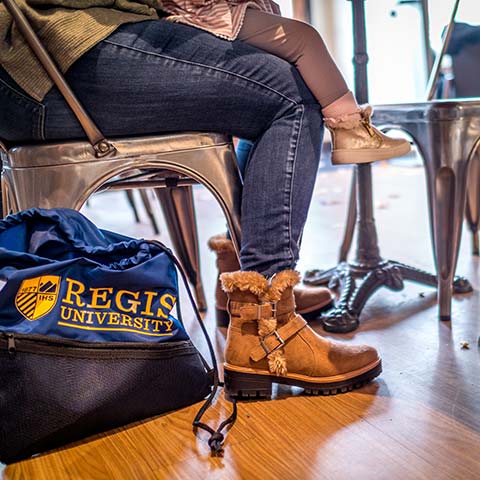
(301, 45)
(354, 139)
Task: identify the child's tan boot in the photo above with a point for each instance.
(310, 301)
(356, 140)
(268, 342)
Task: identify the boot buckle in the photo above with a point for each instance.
(260, 312)
(278, 338)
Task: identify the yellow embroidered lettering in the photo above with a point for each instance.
(100, 317)
(132, 304)
(74, 289)
(164, 301)
(100, 294)
(126, 320)
(157, 324)
(78, 316)
(168, 325)
(138, 322)
(89, 319)
(167, 301)
(114, 318)
(63, 311)
(148, 305)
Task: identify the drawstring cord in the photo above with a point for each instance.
(217, 438)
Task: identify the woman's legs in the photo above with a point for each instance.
(157, 76)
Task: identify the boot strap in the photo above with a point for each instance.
(258, 311)
(278, 338)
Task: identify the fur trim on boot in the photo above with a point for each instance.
(309, 301)
(251, 282)
(280, 282)
(221, 244)
(277, 363)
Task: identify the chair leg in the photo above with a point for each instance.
(131, 202)
(445, 245)
(148, 208)
(449, 197)
(178, 208)
(472, 212)
(3, 204)
(8, 203)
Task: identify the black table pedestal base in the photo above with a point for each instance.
(359, 282)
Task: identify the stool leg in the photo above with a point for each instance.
(148, 208)
(445, 241)
(3, 205)
(447, 159)
(218, 172)
(178, 208)
(472, 212)
(131, 202)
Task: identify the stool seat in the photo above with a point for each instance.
(67, 152)
(65, 174)
(447, 134)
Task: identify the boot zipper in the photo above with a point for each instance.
(11, 347)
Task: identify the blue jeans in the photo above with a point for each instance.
(156, 76)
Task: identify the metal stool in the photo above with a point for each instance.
(66, 174)
(466, 71)
(447, 134)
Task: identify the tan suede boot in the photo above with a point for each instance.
(310, 301)
(269, 343)
(358, 141)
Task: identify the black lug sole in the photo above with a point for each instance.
(255, 386)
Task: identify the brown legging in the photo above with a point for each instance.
(299, 44)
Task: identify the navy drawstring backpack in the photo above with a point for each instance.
(91, 334)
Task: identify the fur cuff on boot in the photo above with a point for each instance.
(277, 363)
(251, 282)
(350, 120)
(220, 243)
(280, 282)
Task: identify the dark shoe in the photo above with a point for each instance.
(310, 301)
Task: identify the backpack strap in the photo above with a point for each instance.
(217, 437)
(100, 144)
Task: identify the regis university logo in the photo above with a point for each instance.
(101, 308)
(37, 296)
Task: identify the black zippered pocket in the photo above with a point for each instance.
(55, 391)
(40, 344)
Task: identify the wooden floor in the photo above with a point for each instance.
(419, 420)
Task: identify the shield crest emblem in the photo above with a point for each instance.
(37, 296)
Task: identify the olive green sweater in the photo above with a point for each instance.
(68, 28)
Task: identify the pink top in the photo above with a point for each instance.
(223, 18)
